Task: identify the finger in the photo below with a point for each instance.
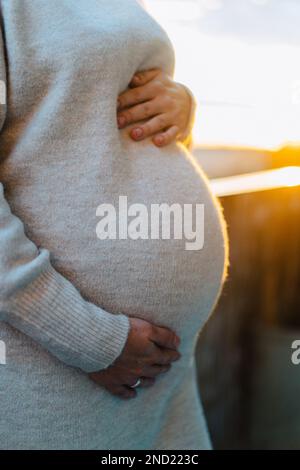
(165, 138)
(143, 77)
(122, 391)
(135, 96)
(166, 356)
(139, 112)
(155, 370)
(143, 382)
(156, 124)
(132, 381)
(146, 382)
(164, 337)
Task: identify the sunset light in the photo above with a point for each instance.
(257, 181)
(245, 76)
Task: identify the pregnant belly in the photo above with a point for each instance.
(156, 279)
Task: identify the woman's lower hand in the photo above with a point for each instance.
(165, 104)
(149, 352)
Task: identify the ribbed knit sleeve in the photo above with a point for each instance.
(38, 301)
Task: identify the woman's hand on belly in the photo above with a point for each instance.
(149, 351)
(164, 105)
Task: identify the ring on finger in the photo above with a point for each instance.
(137, 384)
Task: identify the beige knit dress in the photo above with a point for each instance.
(65, 295)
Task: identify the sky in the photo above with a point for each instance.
(241, 59)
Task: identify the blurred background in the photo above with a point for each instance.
(241, 59)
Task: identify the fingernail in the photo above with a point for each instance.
(159, 140)
(137, 133)
(121, 121)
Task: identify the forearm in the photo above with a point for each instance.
(37, 300)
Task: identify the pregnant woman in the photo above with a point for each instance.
(87, 322)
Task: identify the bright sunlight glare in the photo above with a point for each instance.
(257, 181)
(245, 75)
